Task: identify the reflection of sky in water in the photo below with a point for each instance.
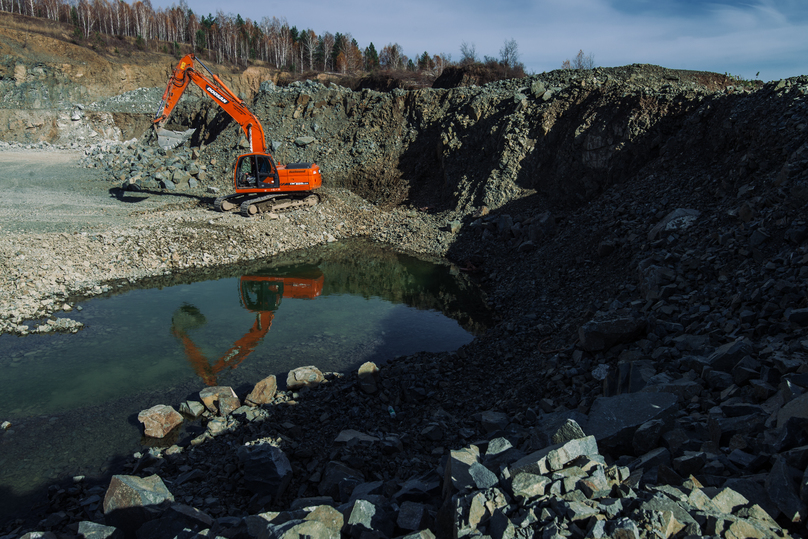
(128, 345)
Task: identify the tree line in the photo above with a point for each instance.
(224, 38)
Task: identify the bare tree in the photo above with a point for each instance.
(308, 42)
(581, 61)
(468, 53)
(327, 44)
(391, 57)
(509, 53)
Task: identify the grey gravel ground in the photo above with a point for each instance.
(72, 230)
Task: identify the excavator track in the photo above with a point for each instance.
(278, 202)
(229, 202)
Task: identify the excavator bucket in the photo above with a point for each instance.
(168, 140)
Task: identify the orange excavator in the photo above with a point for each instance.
(260, 294)
(261, 185)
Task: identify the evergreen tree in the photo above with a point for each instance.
(371, 58)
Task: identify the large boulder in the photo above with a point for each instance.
(604, 333)
(263, 392)
(266, 469)
(304, 377)
(614, 420)
(131, 501)
(159, 420)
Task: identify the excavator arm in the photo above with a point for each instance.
(183, 75)
(230, 359)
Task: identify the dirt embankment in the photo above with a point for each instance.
(56, 91)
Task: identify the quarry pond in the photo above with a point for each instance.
(72, 399)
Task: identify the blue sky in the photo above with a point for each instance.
(725, 36)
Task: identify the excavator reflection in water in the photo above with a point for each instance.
(260, 294)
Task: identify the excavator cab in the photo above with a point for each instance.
(260, 293)
(255, 171)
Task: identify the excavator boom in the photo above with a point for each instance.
(261, 185)
(184, 74)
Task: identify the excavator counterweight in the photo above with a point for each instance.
(260, 184)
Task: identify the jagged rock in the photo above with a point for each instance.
(366, 518)
(93, 530)
(458, 466)
(304, 377)
(368, 375)
(159, 420)
(568, 431)
(554, 457)
(227, 404)
(131, 501)
(412, 516)
(294, 529)
(263, 392)
(604, 333)
(493, 421)
(266, 469)
(500, 451)
(797, 408)
(782, 486)
(528, 486)
(678, 219)
(210, 396)
(177, 520)
(614, 420)
(334, 474)
(192, 408)
(349, 435)
(647, 435)
(725, 357)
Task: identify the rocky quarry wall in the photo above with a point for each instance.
(641, 233)
(564, 135)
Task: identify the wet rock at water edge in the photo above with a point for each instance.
(263, 392)
(309, 376)
(210, 396)
(159, 420)
(368, 375)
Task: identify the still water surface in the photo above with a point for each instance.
(72, 399)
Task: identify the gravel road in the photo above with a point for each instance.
(48, 192)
